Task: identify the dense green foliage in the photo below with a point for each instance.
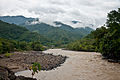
(7, 46)
(60, 35)
(12, 31)
(105, 40)
(108, 39)
(85, 44)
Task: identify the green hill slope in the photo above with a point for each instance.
(12, 31)
(63, 34)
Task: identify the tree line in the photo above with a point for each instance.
(7, 46)
(105, 39)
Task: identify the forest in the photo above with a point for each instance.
(15, 38)
(105, 40)
(7, 46)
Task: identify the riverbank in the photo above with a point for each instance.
(79, 66)
(7, 74)
(20, 61)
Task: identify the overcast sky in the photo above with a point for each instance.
(86, 11)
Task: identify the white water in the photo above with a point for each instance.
(79, 66)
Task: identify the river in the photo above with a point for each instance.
(79, 66)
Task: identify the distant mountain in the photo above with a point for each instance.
(12, 31)
(51, 32)
(69, 28)
(62, 34)
(19, 20)
(75, 22)
(63, 26)
(80, 32)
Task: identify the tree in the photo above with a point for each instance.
(36, 46)
(108, 39)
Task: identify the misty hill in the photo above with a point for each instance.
(62, 34)
(12, 31)
(78, 31)
(55, 33)
(18, 20)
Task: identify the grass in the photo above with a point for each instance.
(8, 55)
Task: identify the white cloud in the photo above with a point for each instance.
(87, 11)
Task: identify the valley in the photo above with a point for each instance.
(59, 36)
(59, 50)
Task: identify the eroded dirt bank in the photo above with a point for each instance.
(79, 66)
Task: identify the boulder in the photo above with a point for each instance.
(7, 74)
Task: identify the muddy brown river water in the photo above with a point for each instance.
(79, 66)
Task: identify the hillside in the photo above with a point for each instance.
(60, 33)
(12, 31)
(78, 32)
(64, 32)
(18, 20)
(51, 32)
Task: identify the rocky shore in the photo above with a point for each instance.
(23, 60)
(79, 66)
(7, 74)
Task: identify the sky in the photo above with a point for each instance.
(85, 11)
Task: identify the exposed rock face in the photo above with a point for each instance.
(6, 74)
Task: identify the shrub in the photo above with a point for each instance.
(35, 68)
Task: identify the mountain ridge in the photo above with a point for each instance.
(63, 34)
(15, 32)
